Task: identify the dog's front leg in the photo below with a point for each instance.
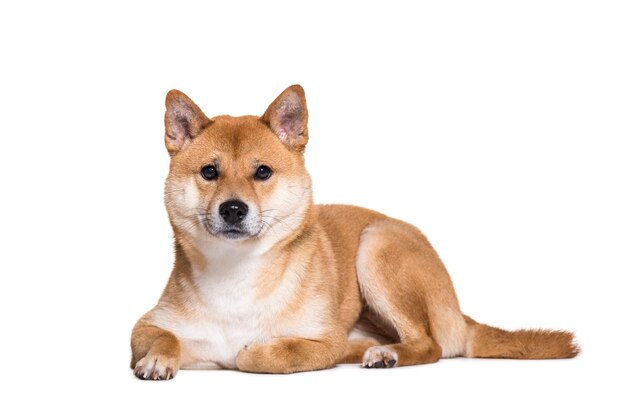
(287, 355)
(156, 353)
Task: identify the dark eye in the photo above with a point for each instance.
(209, 172)
(262, 173)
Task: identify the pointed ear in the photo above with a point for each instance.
(183, 121)
(287, 116)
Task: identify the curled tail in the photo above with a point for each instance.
(490, 342)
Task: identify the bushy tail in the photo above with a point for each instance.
(490, 342)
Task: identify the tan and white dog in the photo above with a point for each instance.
(265, 281)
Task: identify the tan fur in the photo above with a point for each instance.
(306, 286)
(492, 342)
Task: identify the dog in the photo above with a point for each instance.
(265, 281)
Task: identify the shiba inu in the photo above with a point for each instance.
(266, 281)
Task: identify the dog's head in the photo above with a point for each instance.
(237, 179)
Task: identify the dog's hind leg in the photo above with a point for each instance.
(405, 285)
(355, 349)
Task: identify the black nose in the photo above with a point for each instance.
(233, 211)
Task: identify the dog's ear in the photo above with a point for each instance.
(287, 116)
(184, 120)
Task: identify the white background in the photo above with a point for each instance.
(496, 127)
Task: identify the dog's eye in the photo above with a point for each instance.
(209, 172)
(262, 173)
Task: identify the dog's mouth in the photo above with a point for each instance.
(231, 232)
(234, 234)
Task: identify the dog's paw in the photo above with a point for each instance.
(251, 358)
(379, 357)
(156, 367)
(276, 356)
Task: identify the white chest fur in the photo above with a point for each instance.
(227, 314)
(222, 315)
(230, 318)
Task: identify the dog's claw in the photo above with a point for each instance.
(155, 368)
(380, 357)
